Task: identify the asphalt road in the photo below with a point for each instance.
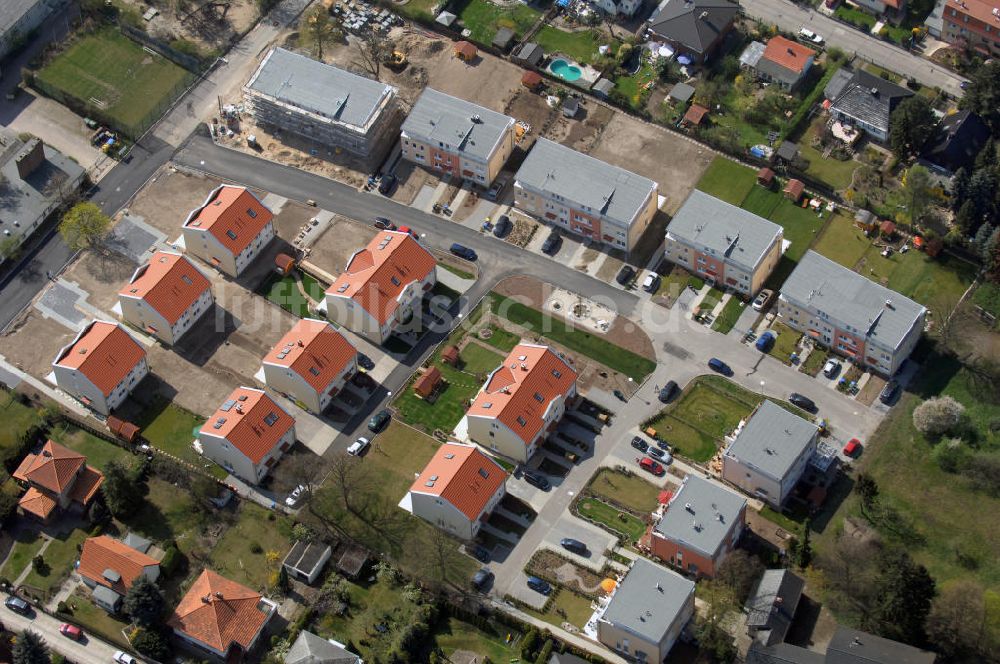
(791, 17)
(88, 650)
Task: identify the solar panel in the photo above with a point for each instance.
(227, 406)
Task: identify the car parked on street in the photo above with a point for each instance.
(539, 585)
(625, 275)
(763, 299)
(384, 224)
(667, 392)
(717, 365)
(537, 480)
(71, 631)
(810, 36)
(660, 455)
(18, 605)
(386, 185)
(802, 401)
(888, 393)
(640, 444)
(124, 658)
(651, 466)
(379, 420)
(651, 283)
(358, 446)
(852, 447)
(502, 227)
(551, 245)
(574, 545)
(462, 251)
(365, 362)
(482, 580)
(765, 342)
(831, 368)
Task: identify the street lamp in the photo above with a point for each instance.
(762, 388)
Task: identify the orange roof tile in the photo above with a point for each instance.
(86, 485)
(466, 49)
(520, 391)
(233, 215)
(787, 53)
(103, 352)
(219, 612)
(314, 350)
(53, 468)
(251, 421)
(35, 502)
(978, 9)
(376, 275)
(105, 553)
(169, 283)
(463, 476)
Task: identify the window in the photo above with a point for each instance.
(539, 398)
(314, 371)
(556, 373)
(251, 213)
(483, 473)
(522, 421)
(271, 418)
(487, 405)
(395, 281)
(186, 279)
(231, 234)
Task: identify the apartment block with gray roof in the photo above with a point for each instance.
(768, 453)
(646, 612)
(454, 136)
(584, 195)
(699, 527)
(871, 325)
(318, 102)
(723, 243)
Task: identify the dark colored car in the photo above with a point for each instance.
(668, 391)
(462, 251)
(619, 395)
(386, 185)
(766, 341)
(379, 421)
(482, 579)
(576, 546)
(537, 480)
(639, 444)
(481, 554)
(889, 392)
(384, 224)
(625, 275)
(18, 605)
(657, 453)
(539, 585)
(503, 226)
(802, 401)
(552, 243)
(365, 362)
(663, 445)
(715, 364)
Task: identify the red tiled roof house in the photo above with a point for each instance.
(382, 285)
(785, 62)
(311, 364)
(109, 567)
(248, 434)
(457, 489)
(521, 402)
(229, 230)
(57, 479)
(221, 617)
(101, 366)
(166, 296)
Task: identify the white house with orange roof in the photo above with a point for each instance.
(166, 296)
(101, 366)
(109, 567)
(229, 230)
(248, 434)
(57, 478)
(457, 489)
(382, 285)
(521, 402)
(311, 364)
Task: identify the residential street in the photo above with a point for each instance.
(789, 16)
(89, 650)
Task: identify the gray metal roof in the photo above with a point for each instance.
(782, 653)
(695, 24)
(305, 556)
(603, 87)
(773, 603)
(752, 54)
(11, 12)
(137, 542)
(681, 92)
(648, 600)
(772, 439)
(556, 169)
(705, 525)
(869, 98)
(105, 595)
(311, 649)
(320, 88)
(731, 232)
(528, 52)
(461, 125)
(882, 314)
(850, 646)
(837, 83)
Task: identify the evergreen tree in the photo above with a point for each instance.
(30, 648)
(144, 603)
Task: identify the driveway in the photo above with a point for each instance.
(89, 650)
(597, 539)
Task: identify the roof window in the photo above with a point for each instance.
(522, 421)
(231, 233)
(251, 213)
(271, 418)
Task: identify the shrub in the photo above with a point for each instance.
(40, 566)
(543, 656)
(172, 561)
(256, 548)
(937, 416)
(528, 643)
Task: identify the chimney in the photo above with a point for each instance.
(218, 594)
(30, 158)
(301, 345)
(524, 367)
(207, 599)
(239, 408)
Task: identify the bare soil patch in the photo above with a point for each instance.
(584, 131)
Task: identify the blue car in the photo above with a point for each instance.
(539, 585)
(766, 341)
(715, 364)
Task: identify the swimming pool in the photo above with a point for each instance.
(565, 70)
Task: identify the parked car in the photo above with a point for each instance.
(537, 480)
(576, 546)
(462, 251)
(71, 631)
(482, 579)
(365, 362)
(296, 496)
(481, 554)
(384, 224)
(409, 231)
(651, 283)
(552, 243)
(852, 447)
(667, 392)
(379, 420)
(660, 455)
(802, 401)
(889, 392)
(763, 299)
(651, 466)
(619, 395)
(495, 190)
(625, 275)
(124, 658)
(810, 36)
(503, 226)
(639, 444)
(663, 445)
(386, 185)
(18, 605)
(539, 585)
(717, 365)
(831, 368)
(358, 446)
(766, 341)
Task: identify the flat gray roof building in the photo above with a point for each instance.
(772, 440)
(461, 126)
(771, 607)
(20, 17)
(701, 515)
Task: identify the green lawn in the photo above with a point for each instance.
(25, 547)
(130, 83)
(761, 201)
(786, 342)
(577, 340)
(484, 18)
(727, 180)
(684, 439)
(167, 514)
(502, 339)
(814, 363)
(18, 417)
(285, 293)
(451, 403)
(833, 172)
(987, 296)
(800, 227)
(461, 274)
(712, 411)
(172, 429)
(937, 283)
(60, 556)
(477, 359)
(622, 522)
(94, 620)
(98, 451)
(730, 313)
(631, 491)
(842, 242)
(631, 87)
(580, 46)
(233, 557)
(711, 299)
(418, 9)
(453, 634)
(575, 608)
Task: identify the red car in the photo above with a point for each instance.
(408, 231)
(651, 466)
(71, 631)
(852, 447)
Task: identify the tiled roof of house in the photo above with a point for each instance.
(978, 9)
(869, 98)
(35, 502)
(53, 468)
(315, 351)
(169, 283)
(103, 352)
(959, 137)
(376, 275)
(701, 515)
(233, 215)
(520, 391)
(462, 126)
(87, 483)
(695, 24)
(461, 475)
(219, 612)
(788, 54)
(251, 421)
(112, 563)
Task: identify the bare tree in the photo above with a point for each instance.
(850, 569)
(318, 29)
(351, 481)
(372, 52)
(306, 469)
(958, 624)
